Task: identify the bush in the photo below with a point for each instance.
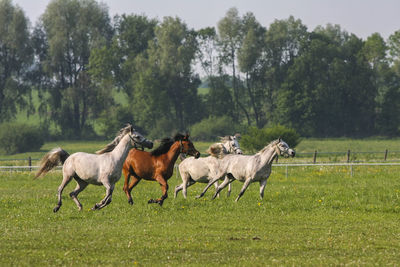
(255, 139)
(209, 129)
(19, 138)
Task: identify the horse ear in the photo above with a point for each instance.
(237, 135)
(187, 136)
(280, 139)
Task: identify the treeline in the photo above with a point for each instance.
(323, 83)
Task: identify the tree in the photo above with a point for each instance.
(16, 57)
(284, 42)
(329, 91)
(72, 29)
(229, 32)
(251, 63)
(165, 87)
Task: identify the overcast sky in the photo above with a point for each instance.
(361, 17)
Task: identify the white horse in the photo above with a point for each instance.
(249, 169)
(103, 168)
(200, 170)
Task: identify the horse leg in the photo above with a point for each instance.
(80, 186)
(164, 189)
(216, 187)
(229, 189)
(65, 181)
(222, 186)
(185, 178)
(134, 183)
(185, 186)
(263, 183)
(177, 189)
(246, 184)
(107, 199)
(210, 183)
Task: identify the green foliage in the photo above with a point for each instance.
(209, 129)
(16, 57)
(18, 138)
(255, 139)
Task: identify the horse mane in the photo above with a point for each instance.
(121, 133)
(268, 146)
(217, 150)
(225, 138)
(166, 144)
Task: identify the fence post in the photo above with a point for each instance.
(30, 163)
(315, 156)
(386, 153)
(348, 156)
(286, 171)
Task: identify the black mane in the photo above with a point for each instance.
(166, 144)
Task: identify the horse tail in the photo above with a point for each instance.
(51, 160)
(217, 150)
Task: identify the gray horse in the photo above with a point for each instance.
(103, 168)
(249, 169)
(201, 170)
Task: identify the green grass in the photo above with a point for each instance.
(316, 216)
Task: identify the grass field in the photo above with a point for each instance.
(316, 216)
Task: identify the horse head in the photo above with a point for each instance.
(187, 147)
(284, 149)
(138, 139)
(231, 144)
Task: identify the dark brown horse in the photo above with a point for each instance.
(157, 165)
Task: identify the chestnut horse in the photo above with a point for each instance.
(157, 165)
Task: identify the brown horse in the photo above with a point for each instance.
(157, 165)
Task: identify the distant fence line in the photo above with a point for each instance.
(314, 155)
(285, 165)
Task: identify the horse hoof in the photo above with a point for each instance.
(130, 201)
(56, 209)
(199, 196)
(95, 207)
(151, 201)
(160, 203)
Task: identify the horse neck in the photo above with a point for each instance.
(228, 147)
(173, 152)
(267, 155)
(122, 149)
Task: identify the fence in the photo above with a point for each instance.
(314, 162)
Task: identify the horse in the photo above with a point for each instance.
(157, 165)
(103, 168)
(200, 170)
(249, 169)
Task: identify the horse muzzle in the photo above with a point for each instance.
(148, 144)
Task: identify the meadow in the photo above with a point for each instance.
(315, 216)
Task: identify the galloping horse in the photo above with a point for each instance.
(249, 169)
(157, 165)
(103, 169)
(200, 170)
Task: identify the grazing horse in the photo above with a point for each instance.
(249, 169)
(201, 170)
(157, 165)
(103, 168)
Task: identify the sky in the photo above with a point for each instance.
(361, 17)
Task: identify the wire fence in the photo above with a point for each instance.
(349, 159)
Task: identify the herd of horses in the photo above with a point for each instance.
(125, 154)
